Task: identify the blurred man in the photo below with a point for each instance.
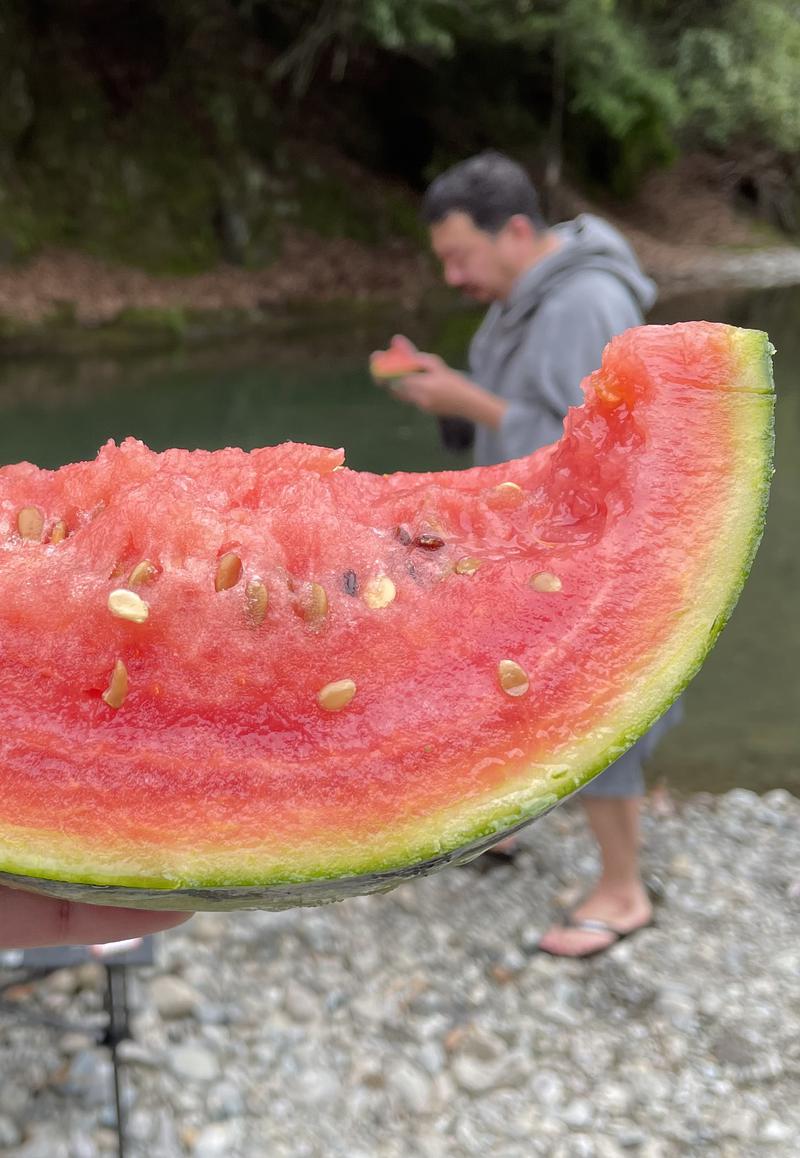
(557, 296)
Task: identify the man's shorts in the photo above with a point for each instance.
(625, 777)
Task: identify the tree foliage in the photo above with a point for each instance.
(172, 111)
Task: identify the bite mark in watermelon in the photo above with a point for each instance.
(238, 679)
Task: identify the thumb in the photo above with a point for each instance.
(400, 341)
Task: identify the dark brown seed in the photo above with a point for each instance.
(350, 582)
(403, 534)
(429, 542)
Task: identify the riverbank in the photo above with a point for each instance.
(424, 1023)
(65, 300)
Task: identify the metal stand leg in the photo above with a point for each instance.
(116, 1031)
(116, 1004)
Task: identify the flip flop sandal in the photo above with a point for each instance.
(594, 925)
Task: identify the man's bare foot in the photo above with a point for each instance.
(623, 911)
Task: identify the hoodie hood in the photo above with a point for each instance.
(587, 243)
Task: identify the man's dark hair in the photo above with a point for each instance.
(490, 187)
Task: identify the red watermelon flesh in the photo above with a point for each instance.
(396, 362)
(259, 679)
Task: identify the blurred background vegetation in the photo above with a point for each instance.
(176, 135)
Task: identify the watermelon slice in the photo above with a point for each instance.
(260, 680)
(396, 362)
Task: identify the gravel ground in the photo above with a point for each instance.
(423, 1023)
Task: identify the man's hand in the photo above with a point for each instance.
(28, 921)
(438, 389)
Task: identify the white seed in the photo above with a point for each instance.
(59, 532)
(513, 678)
(30, 523)
(467, 566)
(506, 495)
(546, 581)
(117, 690)
(127, 604)
(379, 592)
(337, 695)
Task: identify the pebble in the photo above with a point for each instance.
(547, 1089)
(300, 1003)
(10, 1133)
(578, 1114)
(424, 1022)
(218, 1140)
(774, 1132)
(194, 1063)
(173, 997)
(411, 1087)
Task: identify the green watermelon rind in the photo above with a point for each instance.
(500, 817)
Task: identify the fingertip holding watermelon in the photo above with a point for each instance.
(396, 362)
(258, 680)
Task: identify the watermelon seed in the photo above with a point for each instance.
(313, 603)
(513, 678)
(545, 581)
(337, 695)
(403, 534)
(143, 572)
(117, 690)
(229, 571)
(350, 582)
(379, 592)
(428, 542)
(59, 532)
(467, 566)
(128, 605)
(30, 523)
(257, 599)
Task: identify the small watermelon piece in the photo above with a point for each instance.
(396, 362)
(260, 680)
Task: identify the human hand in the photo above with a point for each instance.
(28, 921)
(437, 388)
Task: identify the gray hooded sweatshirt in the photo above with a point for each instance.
(534, 348)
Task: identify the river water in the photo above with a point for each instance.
(742, 724)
